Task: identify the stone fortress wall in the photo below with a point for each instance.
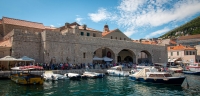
(67, 45)
(70, 47)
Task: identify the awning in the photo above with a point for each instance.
(97, 58)
(25, 58)
(8, 58)
(107, 59)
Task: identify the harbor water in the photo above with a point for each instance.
(108, 86)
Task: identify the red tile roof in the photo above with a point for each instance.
(106, 33)
(18, 22)
(189, 37)
(6, 43)
(149, 42)
(172, 42)
(180, 47)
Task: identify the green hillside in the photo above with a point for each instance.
(190, 28)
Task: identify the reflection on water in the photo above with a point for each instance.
(114, 86)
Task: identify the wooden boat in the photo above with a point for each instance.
(117, 71)
(21, 77)
(151, 75)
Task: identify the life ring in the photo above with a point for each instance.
(145, 78)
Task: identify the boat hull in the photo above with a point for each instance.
(173, 81)
(191, 72)
(27, 79)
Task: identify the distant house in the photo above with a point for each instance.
(186, 54)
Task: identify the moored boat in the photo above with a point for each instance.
(26, 78)
(117, 71)
(72, 76)
(152, 75)
(191, 72)
(49, 75)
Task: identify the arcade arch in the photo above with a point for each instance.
(102, 52)
(126, 55)
(144, 57)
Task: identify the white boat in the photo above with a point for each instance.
(117, 71)
(195, 67)
(49, 75)
(89, 74)
(72, 76)
(152, 75)
(176, 69)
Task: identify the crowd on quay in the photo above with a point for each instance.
(68, 66)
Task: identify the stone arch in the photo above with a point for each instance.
(126, 55)
(144, 57)
(104, 51)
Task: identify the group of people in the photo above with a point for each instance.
(68, 66)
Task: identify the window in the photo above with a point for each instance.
(120, 38)
(171, 53)
(83, 55)
(111, 37)
(186, 52)
(88, 34)
(124, 38)
(190, 52)
(82, 33)
(194, 53)
(116, 38)
(177, 53)
(94, 35)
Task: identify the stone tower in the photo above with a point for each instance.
(106, 28)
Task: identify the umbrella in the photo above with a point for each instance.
(8, 58)
(97, 58)
(25, 58)
(107, 59)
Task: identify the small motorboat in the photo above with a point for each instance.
(49, 75)
(117, 71)
(72, 76)
(152, 75)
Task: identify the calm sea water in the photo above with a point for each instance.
(108, 86)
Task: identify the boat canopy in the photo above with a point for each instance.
(142, 73)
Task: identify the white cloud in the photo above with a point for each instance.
(159, 32)
(102, 14)
(135, 14)
(79, 20)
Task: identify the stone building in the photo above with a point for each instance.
(190, 40)
(72, 43)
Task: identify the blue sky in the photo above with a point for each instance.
(136, 18)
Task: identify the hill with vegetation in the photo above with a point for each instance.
(190, 28)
